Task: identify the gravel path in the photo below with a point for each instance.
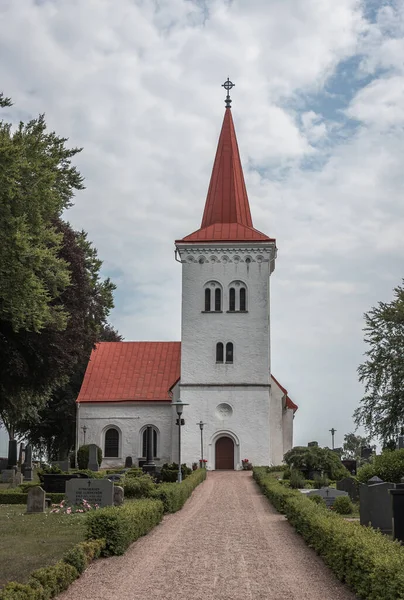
(227, 543)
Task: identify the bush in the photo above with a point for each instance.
(138, 487)
(14, 496)
(169, 472)
(343, 505)
(369, 562)
(389, 466)
(55, 579)
(81, 555)
(312, 458)
(47, 470)
(134, 472)
(174, 495)
(22, 591)
(120, 526)
(83, 455)
(316, 499)
(297, 479)
(91, 474)
(320, 481)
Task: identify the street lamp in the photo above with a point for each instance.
(179, 406)
(84, 428)
(201, 424)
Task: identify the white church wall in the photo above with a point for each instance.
(287, 430)
(247, 422)
(276, 423)
(129, 418)
(202, 331)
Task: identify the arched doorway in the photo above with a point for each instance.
(224, 453)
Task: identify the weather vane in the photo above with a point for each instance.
(227, 86)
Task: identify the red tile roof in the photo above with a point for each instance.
(289, 403)
(131, 371)
(227, 215)
(135, 372)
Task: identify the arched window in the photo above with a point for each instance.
(219, 352)
(229, 352)
(232, 299)
(144, 442)
(218, 299)
(207, 299)
(243, 299)
(111, 446)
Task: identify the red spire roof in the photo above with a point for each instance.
(227, 214)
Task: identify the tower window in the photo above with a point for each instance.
(144, 442)
(229, 352)
(232, 299)
(242, 299)
(219, 352)
(207, 299)
(218, 299)
(111, 447)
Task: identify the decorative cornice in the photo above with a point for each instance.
(229, 254)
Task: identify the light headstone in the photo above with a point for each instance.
(93, 457)
(118, 495)
(95, 491)
(328, 494)
(36, 500)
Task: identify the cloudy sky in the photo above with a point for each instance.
(319, 113)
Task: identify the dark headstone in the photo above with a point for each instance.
(28, 473)
(56, 482)
(375, 507)
(311, 444)
(12, 454)
(150, 465)
(373, 480)
(350, 486)
(350, 465)
(397, 497)
(366, 452)
(400, 442)
(93, 457)
(128, 462)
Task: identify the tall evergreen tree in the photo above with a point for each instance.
(382, 408)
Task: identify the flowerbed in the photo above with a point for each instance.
(369, 562)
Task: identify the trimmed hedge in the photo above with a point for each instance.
(174, 495)
(370, 563)
(122, 525)
(15, 497)
(48, 582)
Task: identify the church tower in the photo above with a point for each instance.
(225, 347)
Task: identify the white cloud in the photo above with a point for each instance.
(136, 83)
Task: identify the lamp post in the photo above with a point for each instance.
(84, 428)
(179, 406)
(201, 424)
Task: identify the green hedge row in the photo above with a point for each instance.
(48, 582)
(368, 561)
(174, 495)
(14, 497)
(120, 526)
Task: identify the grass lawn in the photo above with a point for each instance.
(28, 542)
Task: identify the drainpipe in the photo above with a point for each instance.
(77, 434)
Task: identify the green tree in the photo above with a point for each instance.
(353, 444)
(313, 458)
(382, 408)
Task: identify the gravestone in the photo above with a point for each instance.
(397, 497)
(36, 500)
(350, 486)
(375, 507)
(350, 465)
(118, 495)
(400, 442)
(128, 462)
(55, 483)
(95, 491)
(21, 456)
(328, 494)
(93, 457)
(12, 454)
(28, 474)
(7, 475)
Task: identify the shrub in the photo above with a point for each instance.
(169, 472)
(120, 526)
(55, 579)
(316, 499)
(47, 470)
(174, 495)
(82, 554)
(134, 472)
(83, 455)
(91, 474)
(389, 466)
(22, 591)
(343, 505)
(297, 479)
(138, 487)
(313, 458)
(320, 481)
(369, 562)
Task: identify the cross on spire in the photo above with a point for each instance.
(227, 86)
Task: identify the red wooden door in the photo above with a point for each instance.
(224, 453)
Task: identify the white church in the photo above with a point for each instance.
(220, 370)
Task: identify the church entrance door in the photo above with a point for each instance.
(224, 450)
